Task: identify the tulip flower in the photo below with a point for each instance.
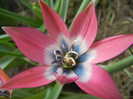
(68, 57)
(4, 94)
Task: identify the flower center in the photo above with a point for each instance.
(68, 61)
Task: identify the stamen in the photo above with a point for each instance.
(54, 62)
(57, 52)
(72, 61)
(68, 54)
(64, 48)
(67, 61)
(58, 57)
(73, 42)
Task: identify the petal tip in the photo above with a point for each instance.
(42, 3)
(7, 28)
(4, 27)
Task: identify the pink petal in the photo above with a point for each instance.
(65, 77)
(34, 77)
(32, 43)
(3, 77)
(84, 28)
(99, 84)
(111, 47)
(54, 23)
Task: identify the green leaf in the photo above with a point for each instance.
(129, 74)
(16, 62)
(6, 43)
(27, 4)
(57, 6)
(20, 93)
(51, 3)
(4, 61)
(71, 95)
(42, 28)
(122, 64)
(6, 48)
(38, 95)
(63, 9)
(37, 11)
(55, 91)
(11, 54)
(81, 8)
(48, 92)
(47, 2)
(20, 18)
(5, 37)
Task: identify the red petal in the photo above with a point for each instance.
(84, 28)
(65, 77)
(34, 77)
(32, 43)
(54, 23)
(111, 47)
(99, 84)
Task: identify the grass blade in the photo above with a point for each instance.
(20, 18)
(63, 9)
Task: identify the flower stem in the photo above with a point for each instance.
(56, 91)
(127, 62)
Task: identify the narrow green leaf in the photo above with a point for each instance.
(27, 4)
(6, 43)
(4, 36)
(38, 95)
(6, 48)
(7, 21)
(20, 93)
(20, 18)
(96, 2)
(37, 11)
(63, 9)
(16, 62)
(55, 91)
(11, 54)
(129, 74)
(47, 2)
(81, 8)
(131, 51)
(48, 92)
(51, 3)
(57, 6)
(4, 61)
(71, 95)
(127, 62)
(30, 61)
(42, 28)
